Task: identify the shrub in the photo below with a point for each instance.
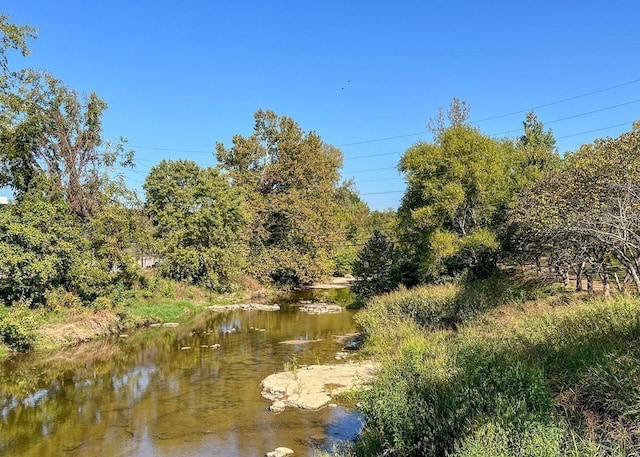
(18, 325)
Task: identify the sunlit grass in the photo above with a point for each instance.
(528, 373)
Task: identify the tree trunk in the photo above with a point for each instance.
(538, 267)
(579, 271)
(606, 285)
(620, 286)
(589, 283)
(634, 274)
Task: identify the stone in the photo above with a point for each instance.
(321, 308)
(244, 307)
(312, 387)
(170, 324)
(280, 452)
(277, 406)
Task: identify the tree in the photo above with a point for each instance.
(537, 152)
(289, 179)
(377, 268)
(42, 247)
(200, 220)
(458, 190)
(586, 213)
(352, 227)
(53, 133)
(13, 37)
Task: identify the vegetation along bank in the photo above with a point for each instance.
(467, 288)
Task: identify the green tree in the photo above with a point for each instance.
(55, 133)
(458, 190)
(377, 268)
(13, 37)
(289, 179)
(200, 221)
(536, 150)
(43, 247)
(352, 217)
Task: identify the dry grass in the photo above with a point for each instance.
(76, 326)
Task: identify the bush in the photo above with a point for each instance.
(18, 325)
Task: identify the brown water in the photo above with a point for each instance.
(147, 396)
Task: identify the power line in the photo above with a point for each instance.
(563, 100)
(577, 115)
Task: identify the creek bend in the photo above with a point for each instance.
(145, 395)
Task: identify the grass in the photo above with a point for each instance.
(65, 320)
(489, 369)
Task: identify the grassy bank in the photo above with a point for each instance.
(67, 321)
(493, 369)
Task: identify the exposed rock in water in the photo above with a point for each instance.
(244, 307)
(277, 406)
(300, 341)
(312, 387)
(280, 452)
(321, 308)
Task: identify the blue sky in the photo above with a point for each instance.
(181, 76)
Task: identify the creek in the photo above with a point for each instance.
(147, 395)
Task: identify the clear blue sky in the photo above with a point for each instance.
(181, 76)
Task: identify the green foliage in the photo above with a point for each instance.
(493, 440)
(199, 220)
(458, 190)
(377, 268)
(13, 37)
(54, 132)
(559, 382)
(41, 247)
(289, 179)
(18, 325)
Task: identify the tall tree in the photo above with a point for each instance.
(458, 189)
(54, 133)
(537, 151)
(13, 37)
(200, 221)
(289, 178)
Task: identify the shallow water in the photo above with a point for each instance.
(146, 395)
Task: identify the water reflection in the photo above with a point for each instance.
(172, 391)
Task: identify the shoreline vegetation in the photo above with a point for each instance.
(66, 322)
(156, 301)
(506, 366)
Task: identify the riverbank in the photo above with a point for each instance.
(155, 301)
(503, 367)
(67, 322)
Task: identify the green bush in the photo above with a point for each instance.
(18, 325)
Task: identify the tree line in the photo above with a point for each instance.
(276, 208)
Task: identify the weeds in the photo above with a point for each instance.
(561, 381)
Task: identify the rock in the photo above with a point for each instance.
(312, 387)
(214, 346)
(170, 324)
(321, 308)
(277, 406)
(280, 452)
(185, 348)
(300, 341)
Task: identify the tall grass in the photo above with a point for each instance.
(560, 382)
